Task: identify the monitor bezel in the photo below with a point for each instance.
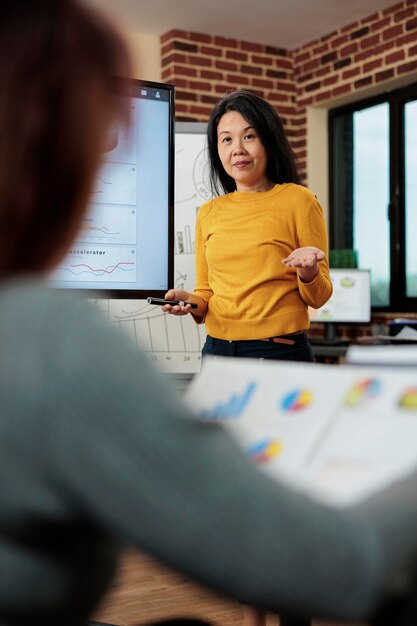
(121, 86)
(350, 270)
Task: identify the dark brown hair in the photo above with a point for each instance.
(57, 66)
(262, 116)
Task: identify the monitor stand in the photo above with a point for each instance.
(330, 335)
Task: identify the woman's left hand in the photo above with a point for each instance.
(306, 261)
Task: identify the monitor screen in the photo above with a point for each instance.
(125, 245)
(351, 298)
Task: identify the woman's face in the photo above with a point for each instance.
(242, 153)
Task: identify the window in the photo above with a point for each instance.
(373, 192)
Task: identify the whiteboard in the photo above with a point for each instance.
(173, 343)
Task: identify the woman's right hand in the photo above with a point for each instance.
(185, 296)
(178, 294)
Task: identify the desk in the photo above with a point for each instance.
(327, 353)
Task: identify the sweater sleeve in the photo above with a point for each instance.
(313, 233)
(202, 286)
(138, 464)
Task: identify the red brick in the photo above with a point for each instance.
(209, 99)
(251, 47)
(185, 95)
(331, 80)
(367, 42)
(226, 43)
(380, 24)
(301, 57)
(383, 76)
(339, 41)
(321, 49)
(183, 70)
(167, 48)
(395, 57)
(313, 86)
(289, 87)
(199, 85)
(261, 82)
(311, 65)
(351, 73)
(200, 37)
(285, 64)
(174, 58)
(305, 101)
(285, 110)
(298, 144)
(251, 69)
(226, 65)
(406, 68)
(276, 96)
(280, 52)
(224, 88)
(343, 89)
(402, 15)
(214, 52)
(184, 46)
(360, 32)
(348, 50)
(199, 110)
(324, 95)
(392, 32)
(301, 155)
(330, 56)
(237, 79)
(370, 53)
(323, 71)
(238, 56)
(262, 60)
(173, 34)
(402, 41)
(210, 75)
(372, 65)
(412, 51)
(363, 82)
(200, 61)
(411, 24)
(305, 77)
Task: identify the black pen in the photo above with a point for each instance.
(161, 302)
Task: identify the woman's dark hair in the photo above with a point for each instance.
(58, 60)
(281, 166)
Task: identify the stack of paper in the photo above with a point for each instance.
(340, 433)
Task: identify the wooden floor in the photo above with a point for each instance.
(145, 591)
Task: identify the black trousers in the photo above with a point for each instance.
(298, 350)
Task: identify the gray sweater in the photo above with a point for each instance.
(97, 451)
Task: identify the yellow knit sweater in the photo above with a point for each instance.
(241, 238)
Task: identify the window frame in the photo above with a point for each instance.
(396, 100)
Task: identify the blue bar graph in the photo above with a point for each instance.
(231, 408)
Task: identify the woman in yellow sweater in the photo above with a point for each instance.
(261, 245)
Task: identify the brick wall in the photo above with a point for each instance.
(374, 51)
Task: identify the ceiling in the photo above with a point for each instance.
(281, 23)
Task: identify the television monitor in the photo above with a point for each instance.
(350, 302)
(125, 247)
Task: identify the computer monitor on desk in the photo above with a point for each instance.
(350, 302)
